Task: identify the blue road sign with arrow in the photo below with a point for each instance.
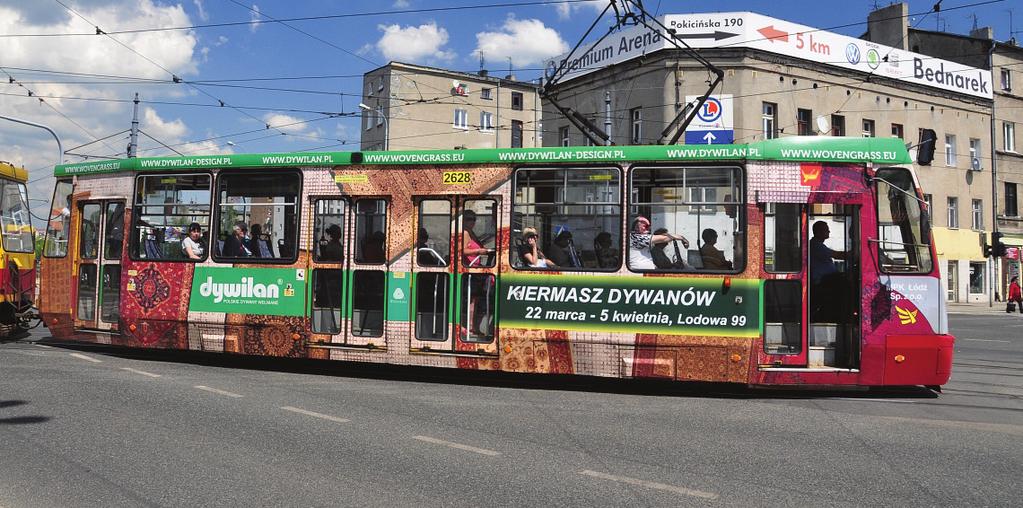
(715, 137)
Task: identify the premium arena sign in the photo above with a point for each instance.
(750, 30)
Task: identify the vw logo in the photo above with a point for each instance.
(852, 53)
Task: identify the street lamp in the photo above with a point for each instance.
(60, 149)
(381, 113)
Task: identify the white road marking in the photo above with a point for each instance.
(481, 451)
(987, 340)
(651, 485)
(315, 414)
(44, 346)
(83, 357)
(216, 391)
(866, 399)
(144, 373)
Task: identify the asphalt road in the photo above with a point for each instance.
(98, 427)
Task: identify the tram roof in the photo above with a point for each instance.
(794, 149)
(14, 172)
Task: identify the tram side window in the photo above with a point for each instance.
(433, 240)
(782, 247)
(258, 217)
(328, 229)
(14, 217)
(567, 219)
(371, 231)
(903, 228)
(686, 219)
(166, 206)
(59, 223)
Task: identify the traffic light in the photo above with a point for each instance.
(997, 247)
(925, 150)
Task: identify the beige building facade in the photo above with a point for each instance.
(413, 107)
(771, 93)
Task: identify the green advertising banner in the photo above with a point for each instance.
(273, 291)
(659, 305)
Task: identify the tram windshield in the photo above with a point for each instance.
(903, 226)
(17, 225)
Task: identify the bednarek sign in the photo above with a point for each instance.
(749, 30)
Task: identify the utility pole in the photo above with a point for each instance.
(133, 144)
(995, 261)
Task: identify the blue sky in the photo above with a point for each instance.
(187, 116)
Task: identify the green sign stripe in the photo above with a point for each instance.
(795, 148)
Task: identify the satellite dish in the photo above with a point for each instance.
(454, 83)
(975, 164)
(823, 125)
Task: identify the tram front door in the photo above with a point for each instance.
(98, 264)
(812, 285)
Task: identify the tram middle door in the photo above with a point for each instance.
(365, 284)
(98, 259)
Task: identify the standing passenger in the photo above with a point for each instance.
(641, 241)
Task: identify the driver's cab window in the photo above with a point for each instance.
(686, 219)
(566, 219)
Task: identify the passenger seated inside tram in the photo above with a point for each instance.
(603, 248)
(713, 258)
(562, 252)
(662, 259)
(530, 253)
(237, 244)
(426, 255)
(641, 241)
(191, 246)
(260, 243)
(330, 247)
(373, 248)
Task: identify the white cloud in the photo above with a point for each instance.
(526, 41)
(203, 15)
(256, 18)
(414, 43)
(221, 40)
(160, 128)
(401, 4)
(565, 10)
(286, 123)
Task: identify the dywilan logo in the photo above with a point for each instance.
(852, 53)
(246, 288)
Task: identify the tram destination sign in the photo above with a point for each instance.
(273, 291)
(656, 305)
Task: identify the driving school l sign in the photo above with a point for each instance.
(712, 124)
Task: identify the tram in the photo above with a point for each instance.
(17, 252)
(795, 261)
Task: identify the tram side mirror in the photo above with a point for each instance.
(925, 150)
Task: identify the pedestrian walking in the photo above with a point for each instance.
(1015, 300)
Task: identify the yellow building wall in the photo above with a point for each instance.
(958, 244)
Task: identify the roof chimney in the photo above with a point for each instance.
(986, 32)
(889, 26)
(483, 73)
(510, 77)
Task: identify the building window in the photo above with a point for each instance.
(953, 212)
(461, 119)
(977, 207)
(563, 136)
(485, 94)
(380, 85)
(769, 120)
(575, 215)
(868, 128)
(977, 278)
(1006, 80)
(165, 208)
(804, 121)
(929, 203)
(380, 117)
(368, 115)
(1011, 208)
(897, 131)
(837, 125)
(486, 121)
(974, 153)
(1009, 136)
(257, 218)
(637, 125)
(517, 101)
(516, 134)
(950, 150)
